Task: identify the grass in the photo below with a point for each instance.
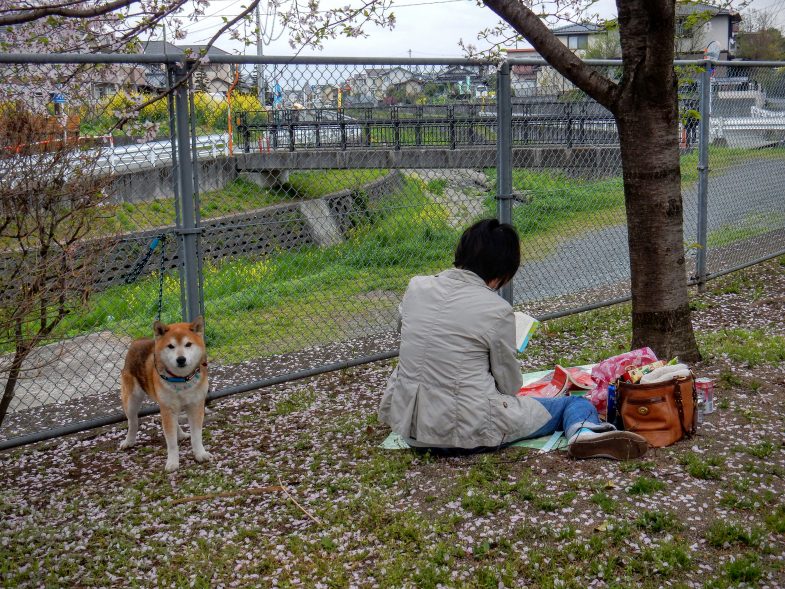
(658, 521)
(296, 402)
(395, 519)
(612, 322)
(604, 502)
(702, 467)
(723, 534)
(746, 228)
(240, 195)
(763, 449)
(723, 158)
(288, 299)
(752, 347)
(644, 485)
(559, 207)
(278, 302)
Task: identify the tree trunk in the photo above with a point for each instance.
(13, 378)
(646, 110)
(652, 195)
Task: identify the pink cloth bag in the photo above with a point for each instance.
(612, 368)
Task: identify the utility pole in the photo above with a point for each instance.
(259, 53)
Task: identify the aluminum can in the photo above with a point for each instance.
(705, 390)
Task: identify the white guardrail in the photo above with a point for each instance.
(746, 129)
(149, 155)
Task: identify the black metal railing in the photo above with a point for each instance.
(397, 127)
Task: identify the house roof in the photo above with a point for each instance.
(160, 48)
(577, 29)
(687, 8)
(166, 48)
(197, 50)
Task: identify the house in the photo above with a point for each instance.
(701, 30)
(698, 27)
(579, 37)
(544, 79)
(322, 96)
(371, 86)
(703, 27)
(405, 92)
(461, 81)
(210, 77)
(155, 73)
(523, 78)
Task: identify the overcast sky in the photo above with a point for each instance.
(427, 28)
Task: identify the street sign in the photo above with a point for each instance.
(59, 99)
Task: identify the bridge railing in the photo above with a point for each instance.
(444, 126)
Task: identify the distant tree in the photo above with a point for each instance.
(396, 94)
(690, 32)
(604, 45)
(760, 39)
(50, 197)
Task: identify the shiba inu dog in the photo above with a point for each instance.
(172, 370)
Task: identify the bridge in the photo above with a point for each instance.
(401, 127)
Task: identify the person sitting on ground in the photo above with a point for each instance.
(454, 388)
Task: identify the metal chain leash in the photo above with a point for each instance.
(136, 271)
(161, 277)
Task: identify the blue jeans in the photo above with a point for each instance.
(568, 414)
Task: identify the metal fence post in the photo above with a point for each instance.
(504, 156)
(187, 231)
(451, 117)
(703, 175)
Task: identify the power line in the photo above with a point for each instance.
(269, 14)
(392, 6)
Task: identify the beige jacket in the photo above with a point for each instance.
(458, 374)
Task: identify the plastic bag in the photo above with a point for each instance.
(612, 368)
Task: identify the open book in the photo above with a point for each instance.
(559, 382)
(525, 325)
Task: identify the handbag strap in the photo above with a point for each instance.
(680, 407)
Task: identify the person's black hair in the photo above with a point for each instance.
(491, 250)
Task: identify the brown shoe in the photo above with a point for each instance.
(616, 445)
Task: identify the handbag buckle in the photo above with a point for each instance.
(643, 410)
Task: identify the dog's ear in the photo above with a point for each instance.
(197, 325)
(159, 328)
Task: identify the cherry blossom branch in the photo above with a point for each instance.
(21, 15)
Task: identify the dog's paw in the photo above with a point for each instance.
(125, 444)
(172, 464)
(182, 435)
(203, 456)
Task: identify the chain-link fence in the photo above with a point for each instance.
(291, 200)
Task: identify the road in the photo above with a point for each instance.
(743, 200)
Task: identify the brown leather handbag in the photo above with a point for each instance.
(663, 412)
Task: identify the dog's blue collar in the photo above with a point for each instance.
(189, 378)
(174, 379)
